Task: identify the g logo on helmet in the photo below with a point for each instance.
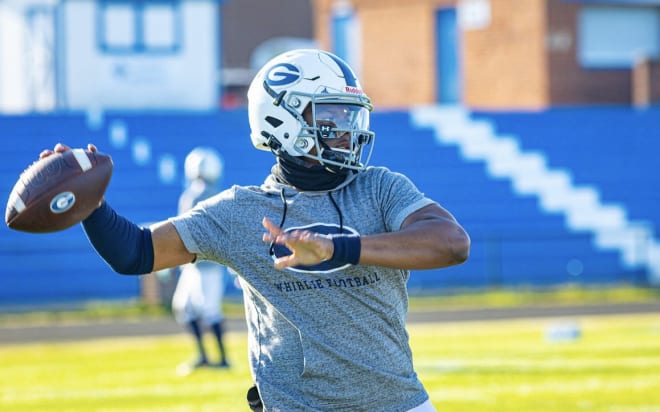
(282, 74)
(62, 202)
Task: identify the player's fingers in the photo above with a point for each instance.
(285, 262)
(272, 229)
(267, 237)
(92, 148)
(60, 147)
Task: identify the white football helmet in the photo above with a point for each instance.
(295, 80)
(204, 163)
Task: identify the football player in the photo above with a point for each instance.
(325, 284)
(197, 299)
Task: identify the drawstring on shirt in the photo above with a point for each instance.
(271, 249)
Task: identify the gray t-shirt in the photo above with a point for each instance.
(320, 338)
(197, 191)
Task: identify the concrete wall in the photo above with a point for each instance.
(185, 78)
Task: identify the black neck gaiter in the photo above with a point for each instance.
(315, 178)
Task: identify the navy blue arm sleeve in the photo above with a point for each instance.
(125, 246)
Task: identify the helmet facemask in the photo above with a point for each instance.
(334, 131)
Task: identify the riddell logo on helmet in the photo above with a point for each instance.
(353, 90)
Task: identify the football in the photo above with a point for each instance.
(58, 191)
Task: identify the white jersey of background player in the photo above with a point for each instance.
(197, 300)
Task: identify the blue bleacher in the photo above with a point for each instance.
(62, 267)
(58, 267)
(613, 148)
(513, 241)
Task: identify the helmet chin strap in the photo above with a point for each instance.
(296, 172)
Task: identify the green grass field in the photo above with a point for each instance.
(613, 366)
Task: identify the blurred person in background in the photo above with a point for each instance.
(197, 299)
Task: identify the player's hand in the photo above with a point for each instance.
(307, 248)
(59, 148)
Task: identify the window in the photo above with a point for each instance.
(614, 37)
(159, 26)
(140, 26)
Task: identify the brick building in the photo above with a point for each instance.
(492, 54)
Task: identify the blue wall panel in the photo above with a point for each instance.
(513, 241)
